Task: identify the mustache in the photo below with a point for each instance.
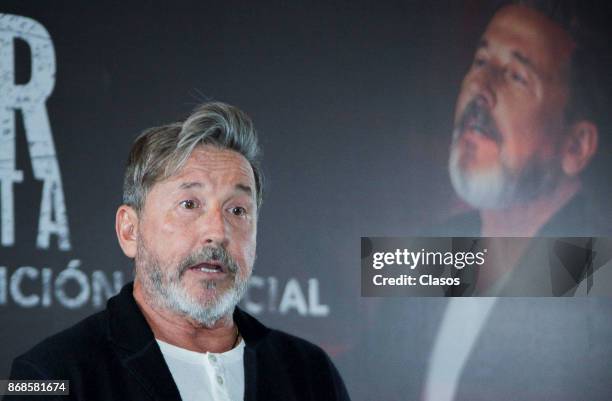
(208, 253)
(477, 116)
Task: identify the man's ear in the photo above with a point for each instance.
(126, 227)
(579, 147)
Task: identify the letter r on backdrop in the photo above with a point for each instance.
(29, 98)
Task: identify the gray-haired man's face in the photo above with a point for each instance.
(197, 236)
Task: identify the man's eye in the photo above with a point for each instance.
(238, 211)
(516, 77)
(479, 62)
(189, 204)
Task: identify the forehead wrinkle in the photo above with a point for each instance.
(210, 156)
(211, 163)
(189, 185)
(212, 170)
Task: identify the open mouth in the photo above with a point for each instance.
(479, 130)
(476, 119)
(209, 267)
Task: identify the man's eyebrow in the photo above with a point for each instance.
(188, 185)
(517, 55)
(523, 59)
(244, 188)
(195, 184)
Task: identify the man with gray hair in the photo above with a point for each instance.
(192, 194)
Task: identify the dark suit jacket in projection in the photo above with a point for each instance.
(528, 348)
(113, 355)
(564, 267)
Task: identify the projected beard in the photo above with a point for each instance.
(165, 285)
(498, 186)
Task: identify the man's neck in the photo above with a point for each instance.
(182, 332)
(526, 219)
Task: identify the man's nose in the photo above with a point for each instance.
(214, 227)
(482, 86)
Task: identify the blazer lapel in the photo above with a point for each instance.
(253, 334)
(264, 377)
(136, 347)
(150, 369)
(250, 374)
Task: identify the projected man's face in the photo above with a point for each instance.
(509, 117)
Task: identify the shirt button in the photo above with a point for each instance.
(212, 357)
(220, 380)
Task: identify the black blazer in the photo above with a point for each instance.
(113, 355)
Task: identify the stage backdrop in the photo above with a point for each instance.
(353, 104)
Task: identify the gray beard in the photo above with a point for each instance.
(165, 289)
(500, 188)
